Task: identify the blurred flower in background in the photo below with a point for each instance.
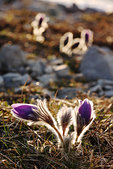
(39, 26)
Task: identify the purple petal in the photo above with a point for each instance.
(40, 21)
(85, 110)
(25, 111)
(87, 37)
(66, 41)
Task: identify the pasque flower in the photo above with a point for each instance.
(66, 42)
(83, 118)
(40, 115)
(25, 111)
(80, 117)
(87, 36)
(40, 24)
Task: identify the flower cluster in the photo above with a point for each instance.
(69, 45)
(81, 117)
(39, 26)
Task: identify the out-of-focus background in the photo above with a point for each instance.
(39, 58)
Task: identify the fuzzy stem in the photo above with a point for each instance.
(58, 134)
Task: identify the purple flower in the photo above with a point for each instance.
(87, 36)
(85, 110)
(82, 119)
(35, 113)
(85, 115)
(25, 111)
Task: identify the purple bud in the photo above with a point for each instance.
(85, 110)
(66, 41)
(87, 37)
(40, 21)
(25, 111)
(75, 45)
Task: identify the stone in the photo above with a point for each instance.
(79, 77)
(96, 89)
(56, 61)
(108, 93)
(37, 68)
(12, 80)
(1, 82)
(97, 64)
(48, 69)
(47, 78)
(107, 87)
(11, 58)
(61, 70)
(104, 82)
(67, 93)
(25, 79)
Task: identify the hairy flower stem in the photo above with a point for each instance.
(61, 139)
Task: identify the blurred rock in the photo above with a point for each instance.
(79, 77)
(25, 79)
(97, 64)
(47, 78)
(1, 82)
(96, 89)
(12, 80)
(56, 61)
(67, 93)
(11, 58)
(61, 70)
(104, 82)
(48, 69)
(102, 87)
(108, 93)
(37, 68)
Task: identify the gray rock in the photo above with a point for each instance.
(108, 93)
(47, 78)
(37, 68)
(25, 79)
(61, 70)
(48, 69)
(1, 82)
(79, 77)
(96, 88)
(67, 93)
(97, 64)
(12, 80)
(56, 61)
(107, 87)
(104, 82)
(11, 58)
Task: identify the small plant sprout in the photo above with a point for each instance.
(39, 26)
(66, 42)
(80, 117)
(87, 37)
(83, 118)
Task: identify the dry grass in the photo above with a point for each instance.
(23, 146)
